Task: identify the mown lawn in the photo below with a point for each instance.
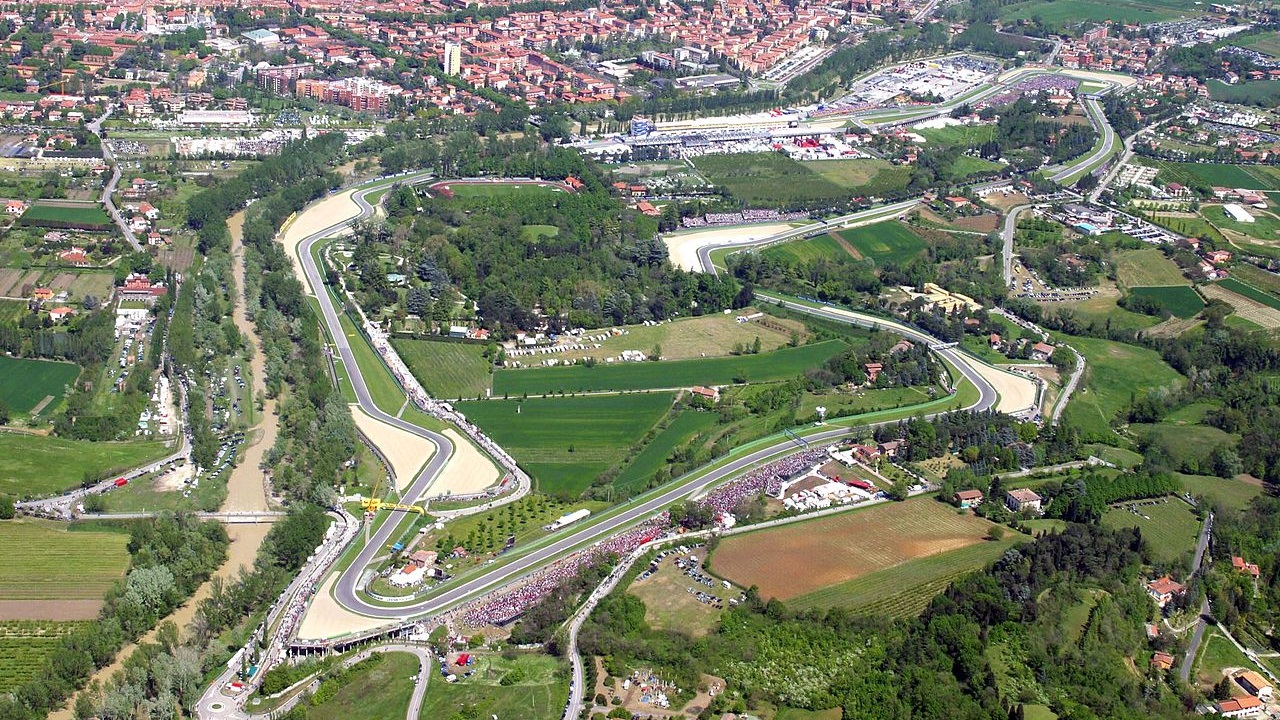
(566, 442)
(1116, 373)
(24, 383)
(781, 364)
(447, 370)
(33, 465)
(539, 694)
(1169, 527)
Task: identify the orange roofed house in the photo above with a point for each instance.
(1164, 589)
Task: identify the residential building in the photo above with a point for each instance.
(1241, 707)
(968, 498)
(1164, 589)
(1247, 568)
(452, 62)
(1022, 500)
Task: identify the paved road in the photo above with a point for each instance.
(1099, 121)
(1010, 226)
(1188, 660)
(109, 189)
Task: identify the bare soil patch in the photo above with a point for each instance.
(797, 559)
(53, 610)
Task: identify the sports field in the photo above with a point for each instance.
(25, 384)
(781, 364)
(447, 370)
(1169, 526)
(536, 688)
(87, 215)
(796, 560)
(566, 442)
(1180, 300)
(46, 564)
(1147, 267)
(1116, 372)
(33, 465)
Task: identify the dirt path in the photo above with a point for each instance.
(246, 489)
(853, 251)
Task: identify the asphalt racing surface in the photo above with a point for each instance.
(345, 589)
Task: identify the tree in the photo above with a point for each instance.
(5, 415)
(7, 511)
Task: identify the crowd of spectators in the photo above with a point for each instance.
(767, 479)
(744, 217)
(1031, 86)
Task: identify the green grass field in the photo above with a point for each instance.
(1218, 653)
(906, 589)
(566, 442)
(1251, 292)
(966, 136)
(540, 694)
(781, 364)
(1170, 527)
(1184, 443)
(24, 647)
(1262, 93)
(1180, 300)
(1232, 493)
(1264, 42)
(1147, 267)
(533, 233)
(33, 465)
(1233, 176)
(391, 674)
(884, 242)
(682, 428)
(485, 190)
(968, 165)
(447, 370)
(1115, 373)
(1074, 12)
(863, 176)
(24, 384)
(43, 561)
(767, 179)
(89, 216)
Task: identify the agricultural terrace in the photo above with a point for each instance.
(1169, 525)
(565, 443)
(89, 216)
(795, 560)
(1180, 300)
(55, 574)
(780, 364)
(36, 465)
(1147, 267)
(1115, 374)
(1251, 292)
(446, 369)
(773, 179)
(24, 647)
(886, 242)
(29, 384)
(1252, 177)
(527, 686)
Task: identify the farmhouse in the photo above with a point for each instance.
(1255, 685)
(1162, 661)
(1041, 351)
(1241, 707)
(1217, 257)
(42, 293)
(873, 371)
(1247, 568)
(1164, 589)
(15, 207)
(711, 394)
(968, 498)
(1022, 499)
(59, 314)
(75, 256)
